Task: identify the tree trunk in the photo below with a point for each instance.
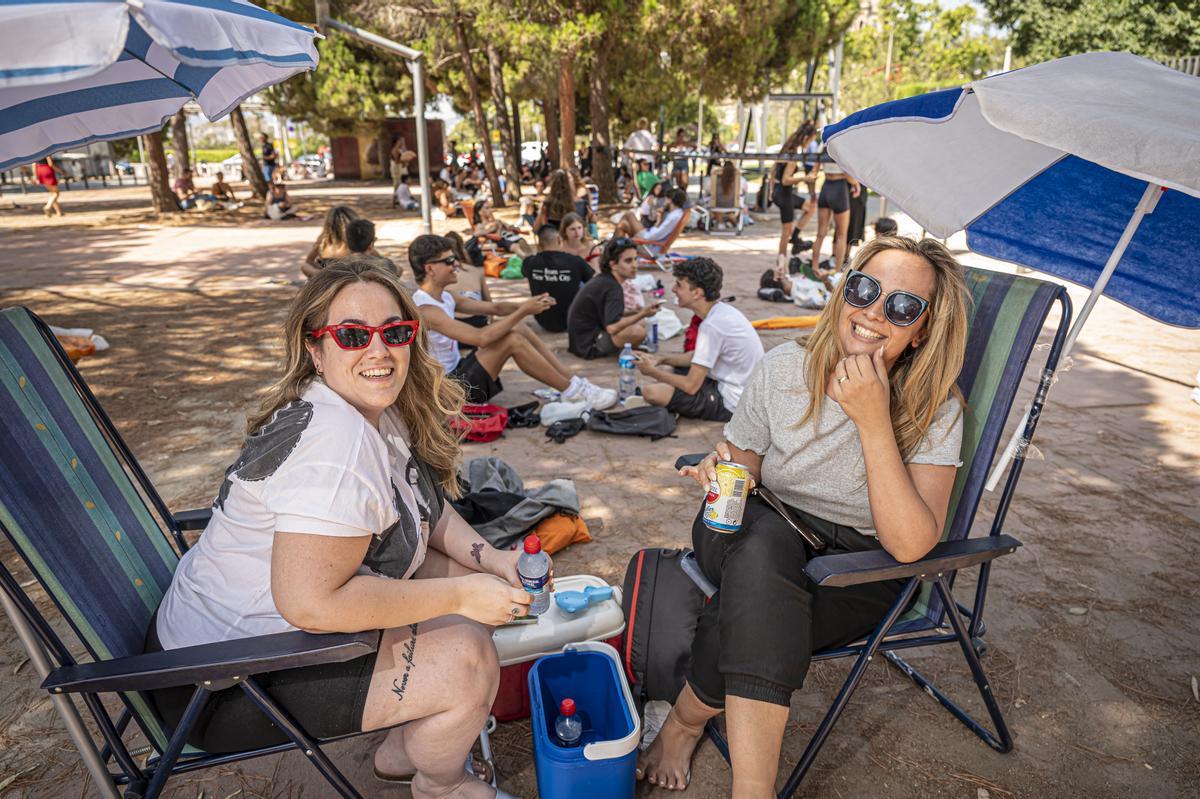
(566, 109)
(516, 125)
(512, 156)
(251, 171)
(156, 164)
(481, 126)
(179, 142)
(550, 111)
(602, 152)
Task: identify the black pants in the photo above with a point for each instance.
(756, 637)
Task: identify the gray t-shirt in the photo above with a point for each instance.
(818, 467)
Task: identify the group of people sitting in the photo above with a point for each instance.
(336, 515)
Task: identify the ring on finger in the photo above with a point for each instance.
(516, 612)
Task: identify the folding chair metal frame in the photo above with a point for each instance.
(665, 259)
(937, 569)
(210, 667)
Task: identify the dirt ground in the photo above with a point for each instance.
(1093, 646)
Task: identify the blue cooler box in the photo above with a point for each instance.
(602, 765)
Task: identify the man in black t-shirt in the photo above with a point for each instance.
(557, 273)
(596, 323)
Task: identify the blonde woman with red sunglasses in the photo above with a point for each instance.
(858, 433)
(334, 519)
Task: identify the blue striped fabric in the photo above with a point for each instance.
(1006, 318)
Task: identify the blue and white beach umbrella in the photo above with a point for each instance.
(1086, 167)
(78, 71)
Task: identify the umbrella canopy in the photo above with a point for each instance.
(78, 71)
(1070, 166)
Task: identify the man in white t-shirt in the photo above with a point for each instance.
(654, 238)
(436, 267)
(641, 139)
(707, 382)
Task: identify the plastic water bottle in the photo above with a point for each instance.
(568, 729)
(627, 380)
(533, 567)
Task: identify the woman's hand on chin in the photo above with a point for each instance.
(860, 385)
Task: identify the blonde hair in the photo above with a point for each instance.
(427, 401)
(922, 378)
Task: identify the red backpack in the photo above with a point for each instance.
(484, 423)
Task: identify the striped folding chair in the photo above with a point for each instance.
(1007, 316)
(102, 545)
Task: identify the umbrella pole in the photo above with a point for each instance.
(1017, 441)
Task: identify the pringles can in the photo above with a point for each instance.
(726, 500)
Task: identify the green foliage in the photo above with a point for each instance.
(1047, 29)
(932, 48)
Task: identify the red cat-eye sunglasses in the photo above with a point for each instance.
(358, 337)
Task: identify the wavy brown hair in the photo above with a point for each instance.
(560, 199)
(922, 378)
(428, 397)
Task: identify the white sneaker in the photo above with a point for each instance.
(597, 397)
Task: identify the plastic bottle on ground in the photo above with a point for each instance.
(568, 729)
(533, 567)
(627, 380)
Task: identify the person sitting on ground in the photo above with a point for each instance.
(402, 197)
(597, 325)
(651, 210)
(331, 242)
(574, 238)
(224, 194)
(707, 382)
(655, 237)
(858, 431)
(559, 201)
(886, 226)
(528, 214)
(335, 517)
(360, 239)
(277, 205)
(472, 282)
(189, 197)
(557, 272)
(435, 266)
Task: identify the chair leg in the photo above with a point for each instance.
(162, 771)
(848, 688)
(1002, 740)
(304, 742)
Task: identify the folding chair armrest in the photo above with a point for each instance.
(221, 661)
(856, 568)
(195, 519)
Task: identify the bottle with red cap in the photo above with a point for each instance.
(568, 729)
(533, 567)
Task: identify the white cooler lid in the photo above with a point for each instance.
(556, 628)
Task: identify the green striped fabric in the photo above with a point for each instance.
(1007, 314)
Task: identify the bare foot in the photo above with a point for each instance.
(667, 762)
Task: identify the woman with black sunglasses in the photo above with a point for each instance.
(334, 519)
(858, 433)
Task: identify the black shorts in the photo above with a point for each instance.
(705, 404)
(325, 700)
(784, 197)
(835, 195)
(602, 346)
(480, 385)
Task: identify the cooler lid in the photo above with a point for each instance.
(556, 628)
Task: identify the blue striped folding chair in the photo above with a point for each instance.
(100, 542)
(1007, 316)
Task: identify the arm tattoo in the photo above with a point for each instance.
(477, 553)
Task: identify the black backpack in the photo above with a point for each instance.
(662, 604)
(650, 420)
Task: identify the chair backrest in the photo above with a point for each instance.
(730, 199)
(68, 503)
(1007, 315)
(665, 246)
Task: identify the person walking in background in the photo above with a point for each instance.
(399, 169)
(269, 158)
(784, 194)
(47, 175)
(679, 161)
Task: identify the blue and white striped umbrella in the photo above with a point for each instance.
(1086, 167)
(78, 71)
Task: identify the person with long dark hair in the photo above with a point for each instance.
(785, 178)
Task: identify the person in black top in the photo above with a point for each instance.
(268, 157)
(596, 324)
(557, 273)
(785, 181)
